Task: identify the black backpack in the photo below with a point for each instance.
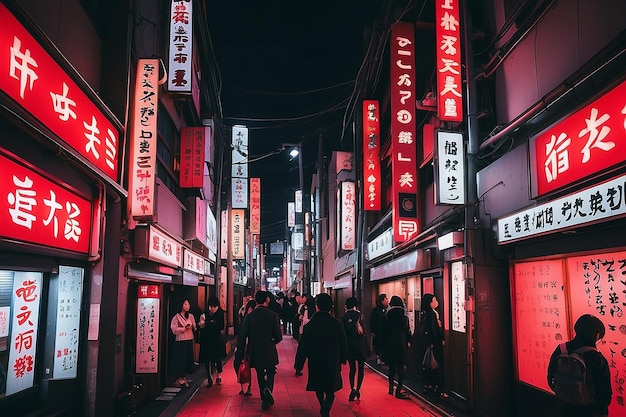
(569, 381)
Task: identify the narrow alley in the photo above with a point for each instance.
(291, 398)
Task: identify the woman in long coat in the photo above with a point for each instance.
(432, 335)
(396, 340)
(212, 343)
(358, 349)
(323, 342)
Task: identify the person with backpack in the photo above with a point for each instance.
(579, 374)
(358, 348)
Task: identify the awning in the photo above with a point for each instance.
(343, 281)
(138, 274)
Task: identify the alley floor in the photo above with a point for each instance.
(291, 398)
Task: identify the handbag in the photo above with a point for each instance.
(243, 373)
(429, 362)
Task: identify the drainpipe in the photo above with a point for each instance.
(470, 200)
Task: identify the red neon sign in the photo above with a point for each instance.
(404, 157)
(35, 81)
(371, 154)
(36, 210)
(449, 85)
(586, 142)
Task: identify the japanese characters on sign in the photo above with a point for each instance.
(224, 235)
(35, 81)
(459, 316)
(255, 206)
(239, 183)
(148, 303)
(143, 141)
(291, 214)
(371, 155)
(403, 147)
(601, 202)
(164, 249)
(193, 262)
(586, 142)
(238, 242)
(449, 84)
(298, 200)
(70, 290)
(597, 285)
(380, 245)
(348, 215)
(450, 168)
(26, 298)
(36, 210)
(539, 317)
(192, 151)
(181, 43)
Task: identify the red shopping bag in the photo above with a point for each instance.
(243, 373)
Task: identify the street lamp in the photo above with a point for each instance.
(296, 152)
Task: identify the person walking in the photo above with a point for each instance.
(183, 326)
(432, 335)
(589, 329)
(396, 336)
(358, 349)
(290, 307)
(247, 309)
(212, 343)
(260, 332)
(323, 343)
(376, 319)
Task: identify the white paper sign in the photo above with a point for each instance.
(68, 322)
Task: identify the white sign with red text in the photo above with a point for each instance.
(348, 215)
(143, 141)
(193, 262)
(26, 298)
(181, 43)
(164, 248)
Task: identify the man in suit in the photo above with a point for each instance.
(261, 332)
(323, 342)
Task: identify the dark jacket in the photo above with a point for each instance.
(323, 342)
(358, 348)
(376, 322)
(598, 375)
(261, 331)
(212, 343)
(396, 335)
(431, 332)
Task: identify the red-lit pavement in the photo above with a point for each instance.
(292, 400)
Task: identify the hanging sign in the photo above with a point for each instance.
(181, 43)
(238, 242)
(148, 303)
(192, 152)
(347, 224)
(450, 168)
(371, 155)
(403, 149)
(449, 84)
(143, 141)
(255, 206)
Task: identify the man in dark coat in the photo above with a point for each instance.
(396, 336)
(261, 332)
(212, 343)
(323, 342)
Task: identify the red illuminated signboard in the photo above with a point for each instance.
(255, 206)
(34, 80)
(371, 155)
(36, 210)
(586, 142)
(449, 85)
(403, 148)
(192, 146)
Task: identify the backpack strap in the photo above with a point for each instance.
(584, 349)
(563, 348)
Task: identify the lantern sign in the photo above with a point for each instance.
(371, 155)
(181, 42)
(449, 84)
(404, 157)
